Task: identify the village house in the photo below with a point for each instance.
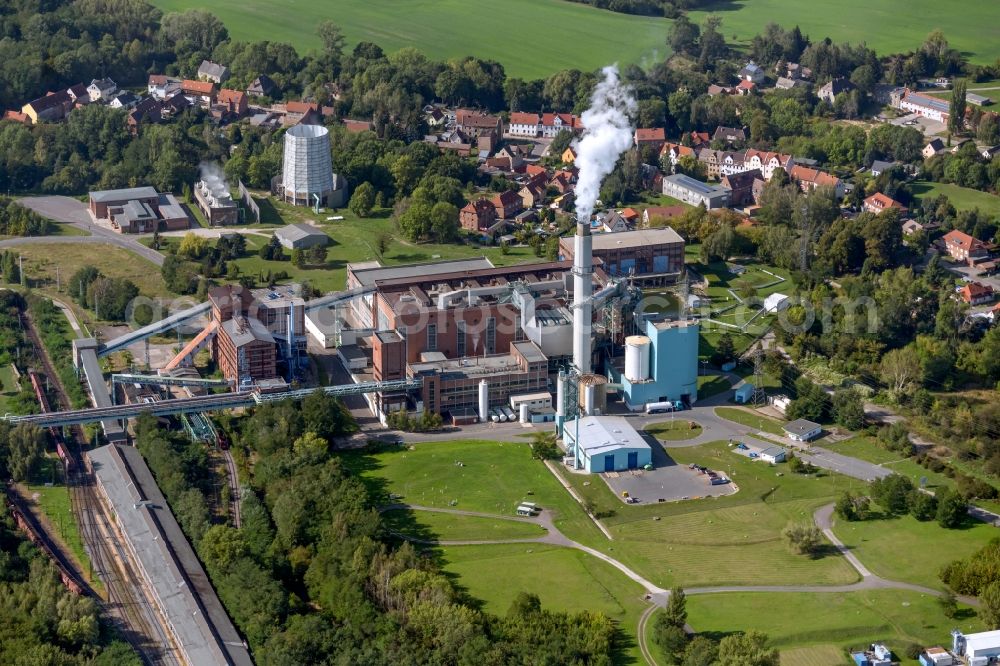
(507, 204)
(473, 123)
(745, 88)
(532, 194)
(785, 83)
(673, 152)
(740, 186)
(752, 72)
(881, 166)
(767, 162)
(212, 71)
(660, 214)
(829, 91)
(630, 215)
(198, 93)
(547, 125)
(711, 159)
(161, 86)
(478, 215)
(809, 179)
(730, 163)
(124, 100)
(650, 136)
(879, 202)
(612, 222)
(569, 156)
(730, 134)
(230, 104)
(699, 139)
(933, 147)
(78, 95)
(976, 293)
(963, 247)
(262, 86)
(295, 112)
(149, 110)
(793, 70)
(101, 89)
(922, 105)
(911, 226)
(715, 90)
(53, 106)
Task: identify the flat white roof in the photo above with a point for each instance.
(603, 434)
(984, 640)
(637, 238)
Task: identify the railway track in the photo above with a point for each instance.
(127, 605)
(234, 489)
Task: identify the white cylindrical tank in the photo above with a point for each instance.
(307, 167)
(484, 401)
(637, 358)
(588, 399)
(561, 395)
(524, 413)
(593, 394)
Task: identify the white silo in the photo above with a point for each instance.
(484, 401)
(637, 358)
(307, 168)
(525, 416)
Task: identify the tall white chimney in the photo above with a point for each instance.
(583, 269)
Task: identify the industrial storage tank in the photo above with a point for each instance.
(637, 358)
(307, 168)
(593, 394)
(484, 401)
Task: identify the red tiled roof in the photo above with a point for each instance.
(519, 118)
(963, 240)
(230, 96)
(505, 198)
(534, 170)
(974, 290)
(650, 134)
(665, 211)
(157, 79)
(301, 107)
(479, 207)
(469, 118)
(746, 85)
(356, 125)
(568, 120)
(197, 87)
(881, 201)
(630, 214)
(16, 116)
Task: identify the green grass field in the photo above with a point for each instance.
(888, 26)
(750, 419)
(41, 260)
(494, 478)
(674, 431)
(866, 448)
(881, 545)
(434, 526)
(962, 198)
(842, 621)
(709, 385)
(529, 45)
(8, 388)
(564, 580)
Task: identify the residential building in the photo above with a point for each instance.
(651, 136)
(660, 213)
(101, 89)
(730, 163)
(785, 83)
(879, 202)
(731, 134)
(124, 100)
(829, 91)
(301, 236)
(212, 71)
(532, 194)
(792, 70)
(198, 93)
(301, 112)
(541, 125)
(752, 72)
(740, 186)
(262, 86)
(976, 293)
(923, 105)
(802, 430)
(699, 139)
(78, 95)
(474, 123)
(50, 108)
(711, 159)
(673, 152)
(600, 444)
(911, 226)
(809, 179)
(507, 204)
(612, 221)
(694, 192)
(234, 102)
(963, 247)
(933, 147)
(478, 215)
(767, 162)
(569, 155)
(161, 86)
(553, 123)
(653, 255)
(745, 88)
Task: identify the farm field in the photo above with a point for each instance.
(564, 580)
(822, 621)
(445, 29)
(433, 526)
(878, 543)
(962, 198)
(888, 26)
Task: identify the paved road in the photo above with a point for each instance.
(71, 211)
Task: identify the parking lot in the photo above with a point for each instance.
(926, 125)
(666, 482)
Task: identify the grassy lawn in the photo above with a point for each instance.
(353, 240)
(433, 526)
(564, 580)
(41, 260)
(709, 385)
(927, 546)
(888, 26)
(446, 29)
(677, 430)
(750, 419)
(494, 478)
(734, 539)
(8, 388)
(962, 198)
(840, 621)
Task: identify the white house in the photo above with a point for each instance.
(924, 105)
(802, 430)
(752, 72)
(772, 454)
(101, 89)
(212, 71)
(161, 86)
(776, 303)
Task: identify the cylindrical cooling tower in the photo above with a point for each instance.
(307, 168)
(637, 358)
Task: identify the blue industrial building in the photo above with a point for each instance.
(606, 444)
(672, 372)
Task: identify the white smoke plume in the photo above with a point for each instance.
(607, 134)
(215, 179)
